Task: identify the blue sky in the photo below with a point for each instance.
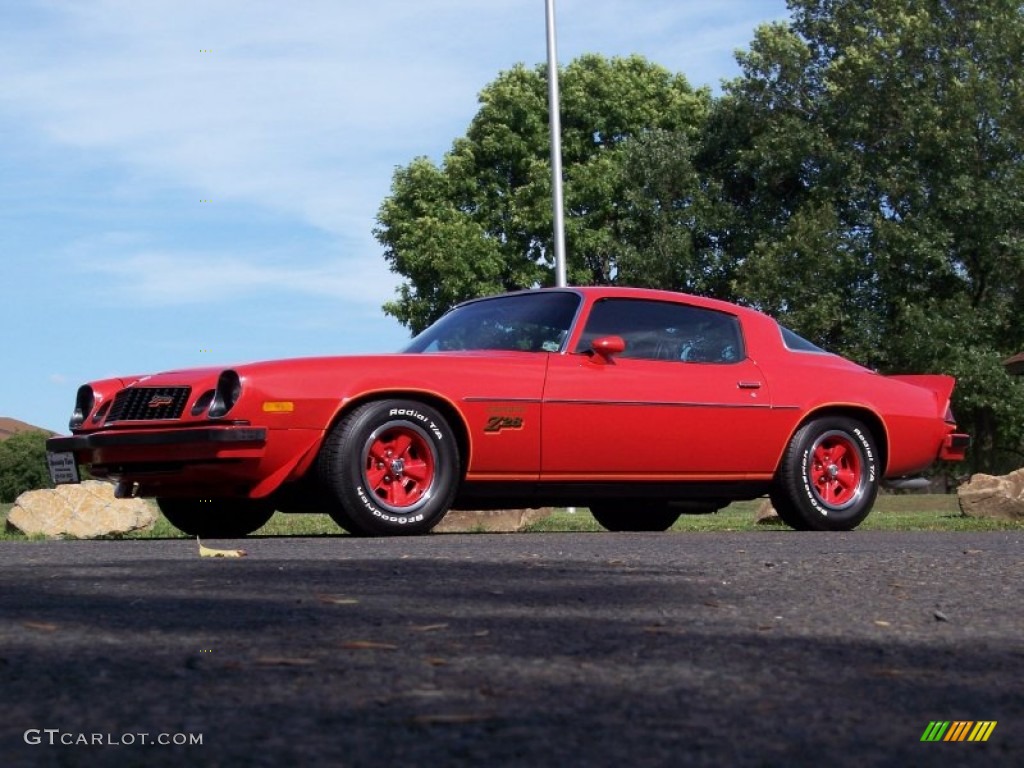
(191, 182)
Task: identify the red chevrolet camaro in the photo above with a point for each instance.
(639, 404)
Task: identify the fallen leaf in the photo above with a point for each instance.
(368, 645)
(336, 600)
(428, 627)
(42, 626)
(211, 552)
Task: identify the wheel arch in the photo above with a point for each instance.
(868, 417)
(444, 406)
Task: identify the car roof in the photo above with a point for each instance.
(596, 292)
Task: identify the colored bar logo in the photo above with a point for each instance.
(958, 730)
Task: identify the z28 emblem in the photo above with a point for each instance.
(498, 423)
(159, 401)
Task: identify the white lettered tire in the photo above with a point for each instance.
(390, 467)
(829, 475)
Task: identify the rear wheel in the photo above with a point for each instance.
(216, 518)
(634, 516)
(829, 476)
(391, 467)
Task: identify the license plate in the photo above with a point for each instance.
(63, 468)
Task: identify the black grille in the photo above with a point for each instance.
(149, 403)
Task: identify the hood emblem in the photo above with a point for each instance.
(159, 401)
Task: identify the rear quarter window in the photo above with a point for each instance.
(797, 343)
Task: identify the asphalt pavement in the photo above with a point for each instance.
(594, 649)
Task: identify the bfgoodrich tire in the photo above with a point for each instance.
(829, 476)
(390, 467)
(216, 518)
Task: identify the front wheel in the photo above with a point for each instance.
(216, 518)
(391, 467)
(829, 476)
(634, 516)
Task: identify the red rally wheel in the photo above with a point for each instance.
(399, 465)
(836, 470)
(390, 467)
(829, 475)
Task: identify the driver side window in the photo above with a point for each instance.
(661, 330)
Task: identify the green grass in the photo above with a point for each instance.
(279, 525)
(917, 512)
(913, 512)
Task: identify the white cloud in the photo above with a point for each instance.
(114, 120)
(302, 108)
(149, 277)
(305, 107)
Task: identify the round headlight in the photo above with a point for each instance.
(203, 402)
(229, 389)
(84, 401)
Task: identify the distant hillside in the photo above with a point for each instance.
(10, 427)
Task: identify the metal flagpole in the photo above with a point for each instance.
(554, 107)
(557, 199)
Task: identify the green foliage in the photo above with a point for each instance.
(482, 221)
(872, 155)
(23, 465)
(860, 181)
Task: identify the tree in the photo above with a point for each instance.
(23, 465)
(482, 221)
(872, 154)
(860, 180)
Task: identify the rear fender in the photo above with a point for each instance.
(954, 445)
(940, 384)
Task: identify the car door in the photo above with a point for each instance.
(681, 401)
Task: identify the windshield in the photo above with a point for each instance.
(523, 322)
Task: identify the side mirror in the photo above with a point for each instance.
(606, 347)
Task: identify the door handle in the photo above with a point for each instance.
(748, 384)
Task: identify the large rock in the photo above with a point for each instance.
(765, 514)
(1000, 498)
(490, 520)
(84, 511)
